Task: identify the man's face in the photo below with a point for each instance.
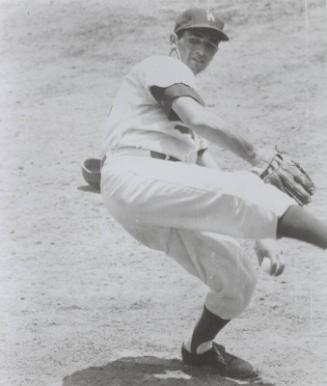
(196, 49)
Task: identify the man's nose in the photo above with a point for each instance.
(201, 50)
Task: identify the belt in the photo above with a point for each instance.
(156, 154)
(134, 151)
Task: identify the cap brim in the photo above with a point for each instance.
(221, 34)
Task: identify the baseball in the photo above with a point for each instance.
(266, 265)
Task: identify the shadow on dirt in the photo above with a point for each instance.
(150, 371)
(88, 188)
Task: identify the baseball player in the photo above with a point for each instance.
(161, 184)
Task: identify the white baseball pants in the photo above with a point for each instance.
(193, 214)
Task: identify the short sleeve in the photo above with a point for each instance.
(166, 96)
(164, 71)
(167, 78)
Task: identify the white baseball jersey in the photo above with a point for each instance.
(191, 213)
(138, 116)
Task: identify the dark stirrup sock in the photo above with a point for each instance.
(206, 329)
(297, 223)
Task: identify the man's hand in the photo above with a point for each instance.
(206, 159)
(269, 253)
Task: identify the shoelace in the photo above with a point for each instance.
(223, 355)
(227, 358)
(220, 355)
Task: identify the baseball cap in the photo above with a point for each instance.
(200, 18)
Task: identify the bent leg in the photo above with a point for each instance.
(220, 263)
(217, 260)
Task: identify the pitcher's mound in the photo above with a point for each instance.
(151, 371)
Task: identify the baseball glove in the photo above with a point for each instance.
(289, 176)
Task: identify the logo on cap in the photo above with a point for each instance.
(210, 16)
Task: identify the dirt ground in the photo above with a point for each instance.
(78, 295)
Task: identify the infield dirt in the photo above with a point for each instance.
(78, 295)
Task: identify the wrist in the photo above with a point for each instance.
(263, 157)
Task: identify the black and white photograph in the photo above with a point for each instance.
(163, 199)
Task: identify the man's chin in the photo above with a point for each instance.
(198, 68)
(194, 66)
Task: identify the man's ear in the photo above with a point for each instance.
(173, 39)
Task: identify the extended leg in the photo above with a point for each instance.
(298, 223)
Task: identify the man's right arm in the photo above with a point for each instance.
(213, 128)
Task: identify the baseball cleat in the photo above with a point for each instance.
(225, 364)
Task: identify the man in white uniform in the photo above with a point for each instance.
(160, 183)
